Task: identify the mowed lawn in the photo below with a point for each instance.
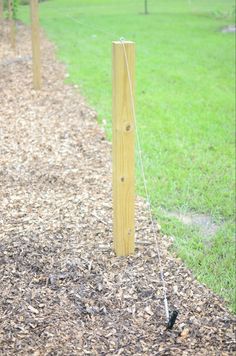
(185, 111)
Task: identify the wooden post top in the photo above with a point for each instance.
(122, 42)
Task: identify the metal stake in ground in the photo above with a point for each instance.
(123, 150)
(35, 44)
(12, 25)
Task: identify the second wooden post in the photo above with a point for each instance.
(35, 44)
(123, 147)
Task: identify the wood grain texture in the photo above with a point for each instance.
(37, 82)
(123, 150)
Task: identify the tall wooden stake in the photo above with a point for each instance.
(35, 44)
(123, 149)
(12, 25)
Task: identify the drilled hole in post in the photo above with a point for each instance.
(122, 179)
(128, 127)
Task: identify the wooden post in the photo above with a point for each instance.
(35, 44)
(123, 148)
(12, 25)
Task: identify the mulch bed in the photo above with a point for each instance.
(63, 291)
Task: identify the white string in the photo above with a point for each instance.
(90, 27)
(145, 185)
(142, 170)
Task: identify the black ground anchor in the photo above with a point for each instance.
(172, 319)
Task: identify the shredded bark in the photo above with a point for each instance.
(63, 291)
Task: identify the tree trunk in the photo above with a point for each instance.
(146, 7)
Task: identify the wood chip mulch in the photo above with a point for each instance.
(63, 292)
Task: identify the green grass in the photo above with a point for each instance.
(184, 103)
